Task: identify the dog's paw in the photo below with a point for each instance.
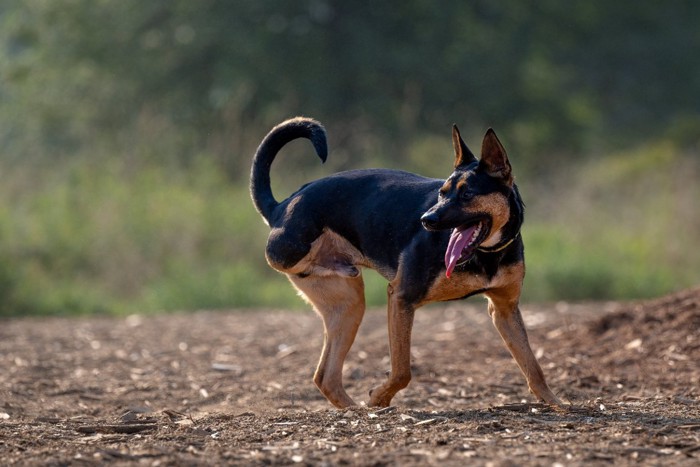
(379, 398)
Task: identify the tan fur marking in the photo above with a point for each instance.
(495, 205)
(290, 207)
(510, 279)
(457, 286)
(446, 187)
(462, 283)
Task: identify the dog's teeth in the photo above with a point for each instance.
(475, 235)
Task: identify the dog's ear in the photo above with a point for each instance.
(463, 156)
(494, 160)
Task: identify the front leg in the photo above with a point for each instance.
(400, 326)
(504, 311)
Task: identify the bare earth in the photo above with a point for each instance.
(235, 388)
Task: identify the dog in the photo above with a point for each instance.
(433, 240)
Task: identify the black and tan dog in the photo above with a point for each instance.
(433, 240)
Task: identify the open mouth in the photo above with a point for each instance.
(463, 241)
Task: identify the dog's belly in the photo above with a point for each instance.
(463, 284)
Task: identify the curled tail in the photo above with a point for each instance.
(299, 127)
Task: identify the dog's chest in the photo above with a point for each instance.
(459, 285)
(463, 283)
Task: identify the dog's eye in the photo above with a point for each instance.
(466, 194)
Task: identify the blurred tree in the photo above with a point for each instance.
(215, 74)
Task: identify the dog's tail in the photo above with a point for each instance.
(299, 127)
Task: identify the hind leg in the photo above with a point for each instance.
(287, 246)
(340, 301)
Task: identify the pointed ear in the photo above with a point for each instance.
(463, 156)
(494, 160)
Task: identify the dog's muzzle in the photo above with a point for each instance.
(430, 221)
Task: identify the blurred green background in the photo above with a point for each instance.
(127, 130)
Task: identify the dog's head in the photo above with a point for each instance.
(476, 201)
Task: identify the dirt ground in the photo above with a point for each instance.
(235, 388)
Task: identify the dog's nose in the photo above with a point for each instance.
(429, 220)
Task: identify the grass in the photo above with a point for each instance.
(624, 227)
(565, 265)
(89, 237)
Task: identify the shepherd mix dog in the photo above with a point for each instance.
(433, 240)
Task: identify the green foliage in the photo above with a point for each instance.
(124, 238)
(89, 238)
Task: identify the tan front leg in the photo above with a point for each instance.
(503, 308)
(400, 326)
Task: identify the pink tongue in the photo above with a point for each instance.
(458, 240)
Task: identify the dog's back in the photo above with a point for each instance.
(354, 205)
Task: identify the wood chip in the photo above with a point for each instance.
(227, 367)
(389, 409)
(429, 421)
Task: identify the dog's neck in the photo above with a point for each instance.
(500, 246)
